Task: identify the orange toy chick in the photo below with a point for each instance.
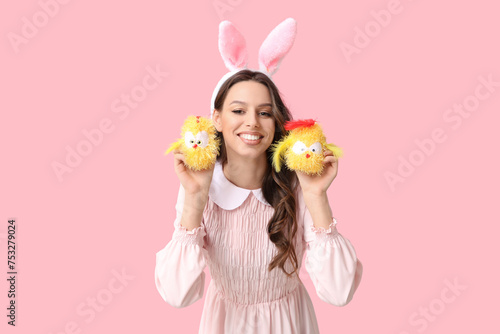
(302, 149)
(198, 142)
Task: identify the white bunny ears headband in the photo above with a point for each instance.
(232, 47)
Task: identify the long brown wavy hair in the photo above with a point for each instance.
(278, 188)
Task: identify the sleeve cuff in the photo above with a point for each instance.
(193, 237)
(323, 234)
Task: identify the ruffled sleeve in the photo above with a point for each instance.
(331, 260)
(179, 271)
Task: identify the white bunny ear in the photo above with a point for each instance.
(276, 45)
(232, 46)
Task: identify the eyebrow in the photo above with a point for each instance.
(260, 105)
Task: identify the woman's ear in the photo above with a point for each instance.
(216, 119)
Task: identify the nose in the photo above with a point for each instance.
(251, 119)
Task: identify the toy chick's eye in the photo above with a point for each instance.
(202, 138)
(299, 147)
(189, 138)
(316, 148)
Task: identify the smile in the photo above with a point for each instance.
(249, 137)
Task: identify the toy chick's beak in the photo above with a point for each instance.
(195, 146)
(308, 155)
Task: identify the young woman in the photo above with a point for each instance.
(252, 226)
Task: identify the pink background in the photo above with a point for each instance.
(115, 210)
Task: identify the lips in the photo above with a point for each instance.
(250, 138)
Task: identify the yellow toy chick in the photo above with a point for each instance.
(198, 142)
(303, 147)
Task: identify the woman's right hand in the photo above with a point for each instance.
(196, 183)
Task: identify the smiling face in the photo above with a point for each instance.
(246, 120)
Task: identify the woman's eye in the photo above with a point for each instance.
(266, 114)
(237, 111)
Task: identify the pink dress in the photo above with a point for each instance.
(243, 296)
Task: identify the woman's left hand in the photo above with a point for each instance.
(318, 184)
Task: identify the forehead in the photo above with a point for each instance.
(249, 92)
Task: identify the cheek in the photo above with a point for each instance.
(272, 128)
(228, 127)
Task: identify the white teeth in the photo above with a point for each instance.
(249, 137)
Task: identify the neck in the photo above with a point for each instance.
(247, 174)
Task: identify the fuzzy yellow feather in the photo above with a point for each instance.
(279, 150)
(337, 151)
(198, 143)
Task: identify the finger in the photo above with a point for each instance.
(179, 156)
(179, 159)
(179, 165)
(327, 153)
(330, 159)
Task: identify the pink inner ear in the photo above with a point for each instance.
(276, 45)
(232, 46)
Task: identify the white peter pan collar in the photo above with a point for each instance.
(226, 194)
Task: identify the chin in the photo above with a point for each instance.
(248, 153)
